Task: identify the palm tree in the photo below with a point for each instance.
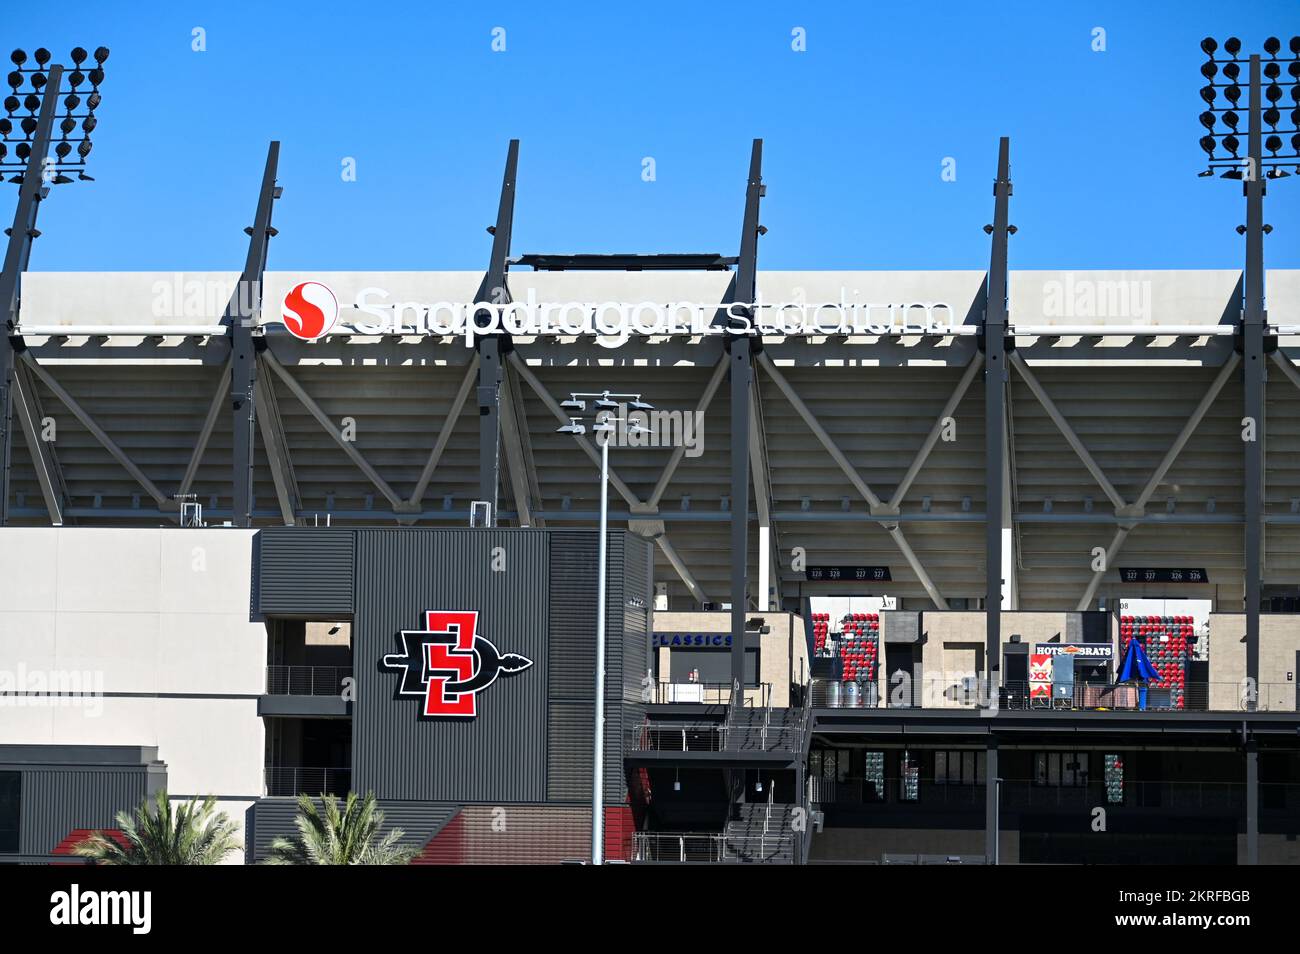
(350, 837)
(195, 834)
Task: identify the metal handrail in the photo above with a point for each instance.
(967, 690)
(281, 780)
(306, 680)
(679, 737)
(767, 817)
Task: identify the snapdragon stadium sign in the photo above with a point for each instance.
(310, 311)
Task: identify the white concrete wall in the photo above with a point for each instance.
(159, 618)
(1279, 641)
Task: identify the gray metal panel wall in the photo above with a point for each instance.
(57, 800)
(500, 756)
(274, 818)
(571, 715)
(304, 571)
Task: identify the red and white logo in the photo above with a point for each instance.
(448, 663)
(309, 310)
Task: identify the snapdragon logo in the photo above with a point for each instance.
(309, 310)
(94, 908)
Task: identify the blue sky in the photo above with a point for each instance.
(856, 130)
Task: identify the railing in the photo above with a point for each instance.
(308, 780)
(678, 846)
(710, 693)
(678, 737)
(1193, 696)
(306, 680)
(767, 817)
(1275, 798)
(741, 847)
(965, 691)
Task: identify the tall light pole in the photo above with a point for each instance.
(1269, 92)
(28, 128)
(607, 404)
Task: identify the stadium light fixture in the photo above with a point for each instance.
(1273, 86)
(36, 90)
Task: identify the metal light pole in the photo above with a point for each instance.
(605, 426)
(598, 749)
(1265, 80)
(36, 91)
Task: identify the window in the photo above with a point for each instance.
(909, 777)
(830, 764)
(959, 767)
(11, 787)
(1115, 779)
(1061, 769)
(873, 764)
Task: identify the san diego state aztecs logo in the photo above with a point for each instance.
(448, 663)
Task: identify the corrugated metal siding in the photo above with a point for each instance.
(305, 571)
(274, 818)
(57, 800)
(528, 834)
(501, 754)
(573, 631)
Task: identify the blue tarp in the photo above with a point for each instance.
(1137, 666)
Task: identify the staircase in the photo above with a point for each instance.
(766, 730)
(761, 834)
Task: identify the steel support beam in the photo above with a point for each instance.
(329, 427)
(18, 251)
(819, 432)
(1116, 543)
(741, 380)
(98, 432)
(706, 398)
(519, 464)
(1158, 475)
(1067, 431)
(277, 450)
(741, 349)
(445, 432)
(1253, 320)
(525, 372)
(1251, 753)
(931, 439)
(27, 406)
(1185, 434)
(492, 347)
(489, 423)
(992, 791)
(886, 516)
(995, 415)
(205, 432)
(769, 596)
(670, 553)
(241, 317)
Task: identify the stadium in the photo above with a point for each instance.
(968, 567)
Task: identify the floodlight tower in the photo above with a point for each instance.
(1253, 341)
(1265, 106)
(29, 128)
